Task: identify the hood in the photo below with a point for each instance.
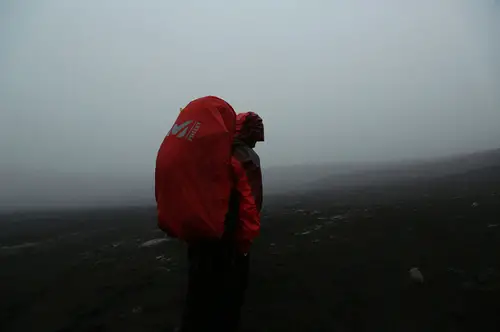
(249, 128)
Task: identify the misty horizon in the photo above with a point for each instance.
(92, 87)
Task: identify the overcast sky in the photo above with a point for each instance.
(93, 86)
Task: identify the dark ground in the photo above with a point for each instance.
(326, 261)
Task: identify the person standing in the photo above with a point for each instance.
(208, 190)
(218, 269)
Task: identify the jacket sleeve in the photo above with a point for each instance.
(249, 216)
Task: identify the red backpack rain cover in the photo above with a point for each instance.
(193, 171)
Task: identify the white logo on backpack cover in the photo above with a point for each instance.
(181, 130)
(185, 130)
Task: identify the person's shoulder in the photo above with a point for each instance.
(246, 155)
(241, 152)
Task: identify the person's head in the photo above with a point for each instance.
(249, 128)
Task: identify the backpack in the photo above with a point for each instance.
(193, 177)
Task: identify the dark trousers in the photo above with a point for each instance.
(218, 277)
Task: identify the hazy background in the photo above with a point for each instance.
(88, 89)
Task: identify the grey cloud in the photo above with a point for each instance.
(91, 87)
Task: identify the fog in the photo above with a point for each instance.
(88, 89)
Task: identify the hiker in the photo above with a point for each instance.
(218, 247)
(226, 262)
